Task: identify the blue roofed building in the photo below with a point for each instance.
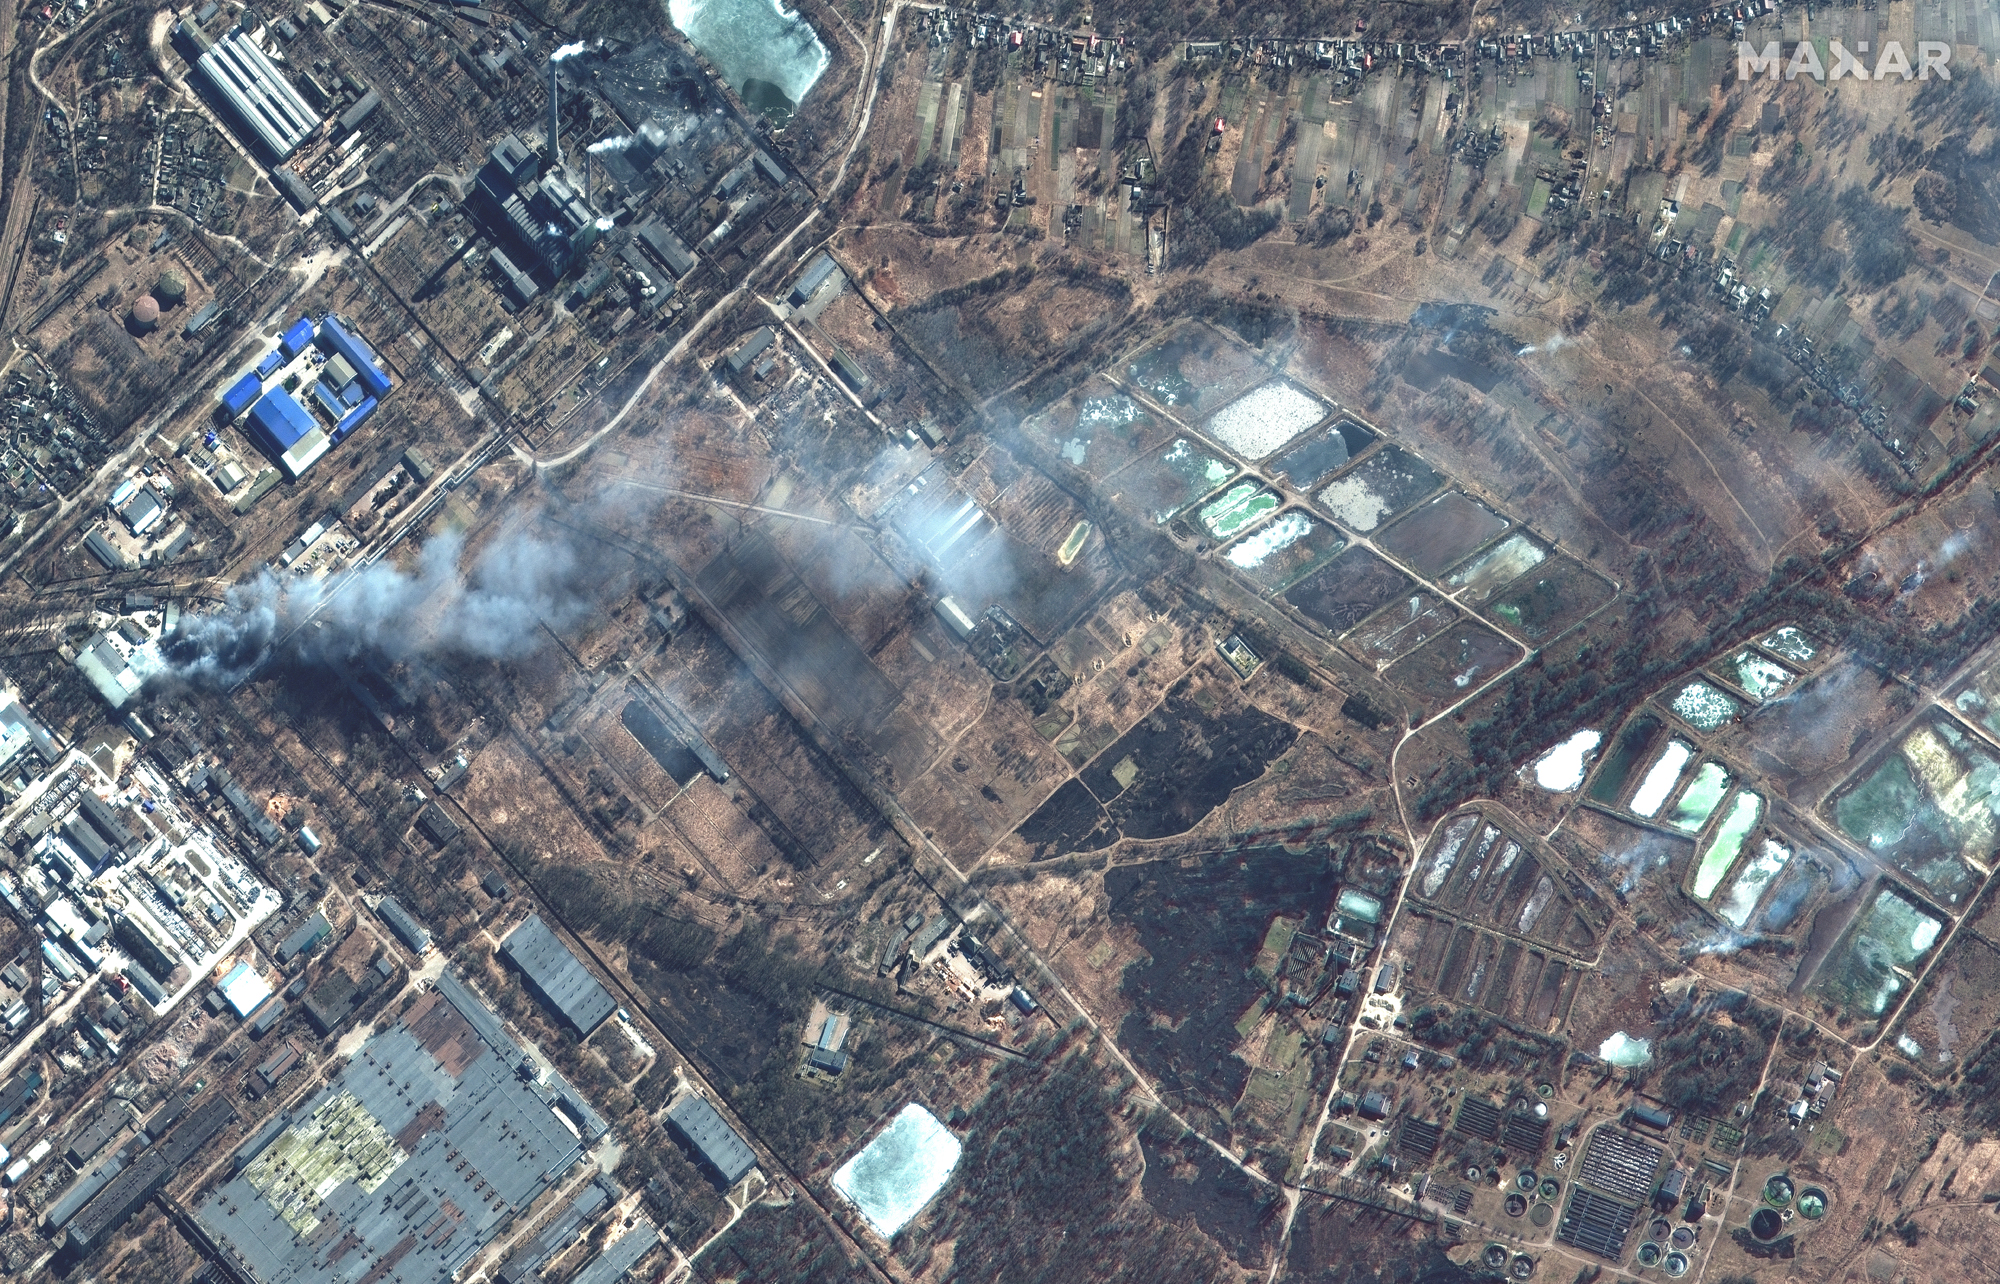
(241, 395)
(353, 418)
(296, 338)
(338, 338)
(287, 432)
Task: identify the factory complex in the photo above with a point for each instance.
(345, 383)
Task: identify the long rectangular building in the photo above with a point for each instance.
(427, 1143)
(699, 1125)
(262, 97)
(558, 976)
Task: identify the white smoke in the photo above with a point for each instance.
(496, 612)
(605, 146)
(571, 50)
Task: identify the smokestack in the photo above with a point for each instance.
(555, 117)
(588, 158)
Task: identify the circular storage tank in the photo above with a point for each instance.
(1812, 1203)
(1649, 1254)
(1526, 1181)
(1494, 1257)
(1778, 1190)
(146, 312)
(1541, 1110)
(1765, 1224)
(1551, 1188)
(1676, 1264)
(171, 289)
(1472, 1174)
(1684, 1237)
(1545, 1090)
(1516, 1204)
(1658, 1230)
(1542, 1214)
(1522, 1267)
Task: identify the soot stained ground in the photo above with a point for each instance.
(1182, 760)
(1200, 928)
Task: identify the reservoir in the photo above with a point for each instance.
(769, 56)
(900, 1171)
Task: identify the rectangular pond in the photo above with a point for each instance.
(1265, 418)
(1236, 510)
(1790, 643)
(1285, 550)
(1726, 843)
(1704, 706)
(1442, 532)
(1757, 873)
(1660, 780)
(1348, 589)
(1885, 942)
(899, 1172)
(1180, 475)
(1379, 487)
(1755, 674)
(1497, 567)
(1927, 807)
(1323, 454)
(1700, 799)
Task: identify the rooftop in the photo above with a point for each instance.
(557, 975)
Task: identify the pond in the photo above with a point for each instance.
(900, 1171)
(1701, 798)
(1927, 805)
(1755, 674)
(1237, 509)
(769, 56)
(1265, 418)
(1722, 850)
(1704, 707)
(1750, 884)
(1889, 936)
(1621, 1049)
(1660, 780)
(1561, 769)
(1790, 643)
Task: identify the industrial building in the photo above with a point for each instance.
(410, 932)
(617, 1261)
(346, 387)
(260, 95)
(557, 976)
(432, 1137)
(527, 1260)
(698, 1125)
(551, 226)
(306, 939)
(243, 990)
(751, 348)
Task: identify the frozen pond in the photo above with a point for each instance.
(1791, 644)
(1659, 782)
(1265, 418)
(1561, 768)
(1112, 412)
(1755, 673)
(1703, 707)
(1621, 1049)
(1890, 935)
(1379, 487)
(755, 44)
(900, 1171)
(1750, 884)
(1447, 853)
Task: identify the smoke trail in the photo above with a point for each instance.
(495, 612)
(570, 51)
(605, 146)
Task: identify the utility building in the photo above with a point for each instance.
(557, 976)
(260, 95)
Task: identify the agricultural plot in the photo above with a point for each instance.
(1323, 454)
(1349, 589)
(1926, 805)
(1285, 550)
(1549, 600)
(1441, 533)
(1385, 482)
(1455, 663)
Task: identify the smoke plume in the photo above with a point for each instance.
(605, 146)
(495, 612)
(571, 50)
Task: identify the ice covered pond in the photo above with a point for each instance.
(1265, 418)
(900, 1171)
(1561, 769)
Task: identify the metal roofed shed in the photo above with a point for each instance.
(751, 348)
(298, 336)
(810, 280)
(241, 395)
(306, 939)
(698, 1124)
(259, 93)
(557, 976)
(350, 120)
(244, 990)
(346, 343)
(671, 252)
(286, 431)
(410, 932)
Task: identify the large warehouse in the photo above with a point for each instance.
(413, 1158)
(262, 97)
(347, 384)
(558, 976)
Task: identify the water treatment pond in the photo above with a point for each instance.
(900, 1171)
(1265, 418)
(1926, 806)
(1727, 843)
(1182, 474)
(1310, 462)
(1285, 550)
(1891, 934)
(1237, 510)
(1379, 487)
(1735, 907)
(1442, 532)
